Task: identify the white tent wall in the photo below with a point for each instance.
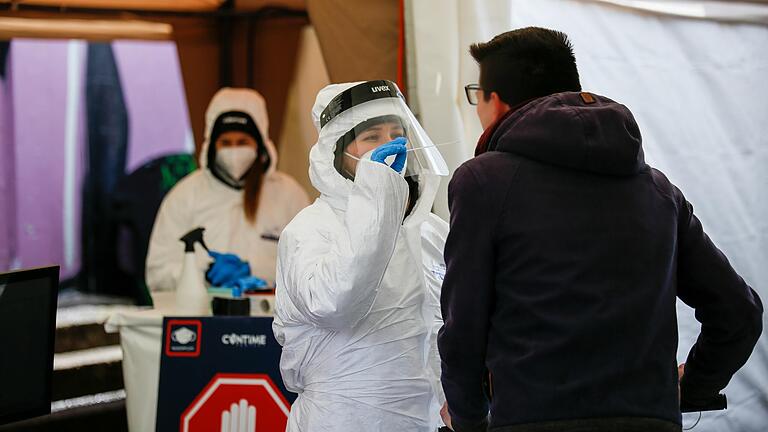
(438, 34)
(295, 142)
(697, 88)
(724, 11)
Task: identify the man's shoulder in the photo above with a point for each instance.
(489, 167)
(664, 186)
(484, 181)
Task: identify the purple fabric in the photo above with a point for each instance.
(154, 93)
(32, 140)
(39, 104)
(7, 174)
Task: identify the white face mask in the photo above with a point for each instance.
(346, 169)
(236, 161)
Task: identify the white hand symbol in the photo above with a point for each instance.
(239, 418)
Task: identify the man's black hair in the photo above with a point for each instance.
(526, 63)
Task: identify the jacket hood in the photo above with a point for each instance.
(574, 130)
(239, 99)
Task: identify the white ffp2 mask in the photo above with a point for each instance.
(236, 161)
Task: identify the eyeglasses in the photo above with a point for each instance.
(472, 91)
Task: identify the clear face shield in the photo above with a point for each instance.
(370, 115)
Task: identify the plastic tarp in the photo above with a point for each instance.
(697, 88)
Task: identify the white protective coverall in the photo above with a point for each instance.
(202, 200)
(357, 302)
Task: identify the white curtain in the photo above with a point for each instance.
(697, 86)
(724, 11)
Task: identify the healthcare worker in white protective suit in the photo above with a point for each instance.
(359, 271)
(237, 196)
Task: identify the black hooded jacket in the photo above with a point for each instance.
(564, 259)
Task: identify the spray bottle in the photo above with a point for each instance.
(191, 294)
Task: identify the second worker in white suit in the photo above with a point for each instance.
(237, 195)
(359, 271)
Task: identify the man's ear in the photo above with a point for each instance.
(499, 105)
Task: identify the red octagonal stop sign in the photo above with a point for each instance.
(237, 403)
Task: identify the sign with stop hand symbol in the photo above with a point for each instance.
(221, 374)
(237, 403)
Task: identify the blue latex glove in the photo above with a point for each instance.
(226, 269)
(250, 283)
(394, 147)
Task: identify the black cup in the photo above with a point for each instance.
(231, 306)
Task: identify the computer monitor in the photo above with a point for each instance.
(27, 330)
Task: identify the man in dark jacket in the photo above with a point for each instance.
(565, 255)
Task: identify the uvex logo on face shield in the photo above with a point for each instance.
(357, 95)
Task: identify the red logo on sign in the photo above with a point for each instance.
(182, 338)
(237, 403)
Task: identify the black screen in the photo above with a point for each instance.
(27, 328)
